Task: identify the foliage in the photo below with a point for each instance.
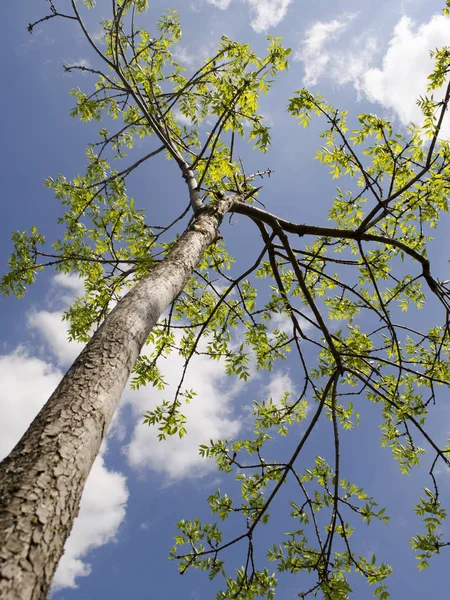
(344, 297)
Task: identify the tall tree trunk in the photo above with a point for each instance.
(42, 480)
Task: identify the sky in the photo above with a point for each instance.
(364, 57)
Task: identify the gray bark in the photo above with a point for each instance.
(42, 480)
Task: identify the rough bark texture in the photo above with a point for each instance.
(42, 480)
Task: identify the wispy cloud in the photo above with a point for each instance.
(314, 49)
(222, 4)
(264, 13)
(193, 55)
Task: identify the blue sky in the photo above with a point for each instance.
(363, 56)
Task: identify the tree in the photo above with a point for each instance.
(373, 255)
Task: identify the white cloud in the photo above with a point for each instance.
(50, 324)
(265, 13)
(284, 323)
(279, 384)
(25, 384)
(406, 66)
(183, 119)
(184, 56)
(313, 51)
(209, 416)
(351, 66)
(55, 332)
(72, 282)
(222, 4)
(97, 35)
(194, 55)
